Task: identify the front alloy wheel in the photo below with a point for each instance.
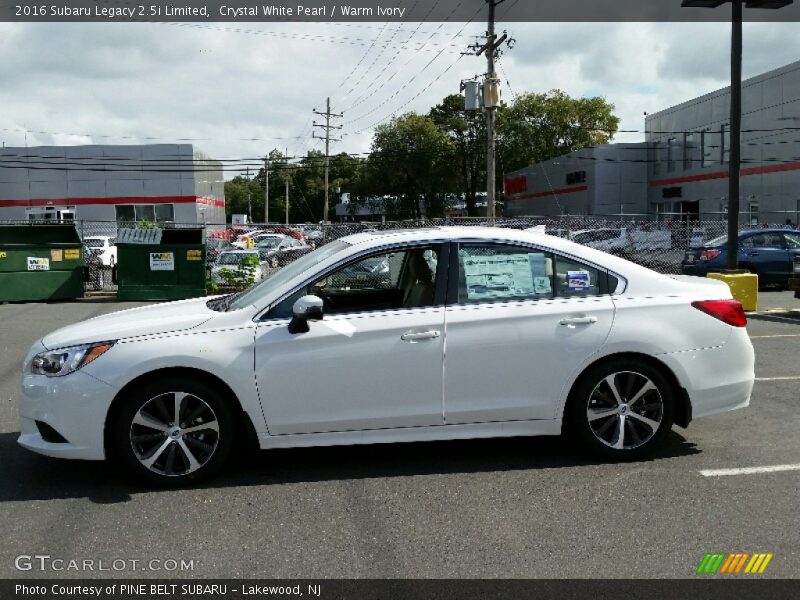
(173, 431)
(174, 434)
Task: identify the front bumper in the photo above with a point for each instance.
(75, 406)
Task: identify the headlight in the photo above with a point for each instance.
(55, 363)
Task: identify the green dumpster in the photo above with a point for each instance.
(165, 264)
(40, 262)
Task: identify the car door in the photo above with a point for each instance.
(766, 253)
(792, 247)
(520, 320)
(373, 362)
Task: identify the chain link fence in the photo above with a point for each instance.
(658, 245)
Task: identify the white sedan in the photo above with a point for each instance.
(462, 333)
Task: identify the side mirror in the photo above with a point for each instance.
(307, 308)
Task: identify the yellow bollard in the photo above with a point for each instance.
(744, 287)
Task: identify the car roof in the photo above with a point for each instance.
(771, 230)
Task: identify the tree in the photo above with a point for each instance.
(538, 127)
(466, 130)
(410, 160)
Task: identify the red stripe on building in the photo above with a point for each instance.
(559, 192)
(115, 201)
(792, 166)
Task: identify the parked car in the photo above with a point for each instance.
(232, 261)
(769, 253)
(623, 240)
(309, 357)
(102, 246)
(312, 233)
(277, 249)
(216, 246)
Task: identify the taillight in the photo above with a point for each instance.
(710, 254)
(727, 311)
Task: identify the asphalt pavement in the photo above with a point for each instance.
(525, 507)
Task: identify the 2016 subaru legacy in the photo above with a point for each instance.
(398, 336)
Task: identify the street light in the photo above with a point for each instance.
(734, 165)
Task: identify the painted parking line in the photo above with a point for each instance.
(780, 335)
(792, 378)
(749, 470)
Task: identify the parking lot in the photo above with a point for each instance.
(488, 508)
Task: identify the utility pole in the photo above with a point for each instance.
(488, 97)
(490, 116)
(266, 189)
(249, 206)
(286, 176)
(327, 127)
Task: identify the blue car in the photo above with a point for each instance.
(769, 253)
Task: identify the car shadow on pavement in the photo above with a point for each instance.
(29, 476)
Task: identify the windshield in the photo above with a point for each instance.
(268, 243)
(287, 273)
(718, 241)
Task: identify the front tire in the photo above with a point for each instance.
(621, 410)
(173, 432)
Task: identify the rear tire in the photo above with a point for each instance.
(154, 445)
(621, 409)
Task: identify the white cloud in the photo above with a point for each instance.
(225, 84)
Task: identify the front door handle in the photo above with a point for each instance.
(419, 336)
(572, 321)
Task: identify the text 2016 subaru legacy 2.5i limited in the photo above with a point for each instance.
(397, 336)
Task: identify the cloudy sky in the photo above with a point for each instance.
(240, 90)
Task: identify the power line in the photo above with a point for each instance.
(413, 78)
(363, 97)
(307, 37)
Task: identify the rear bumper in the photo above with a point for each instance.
(716, 379)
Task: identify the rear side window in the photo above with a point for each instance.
(577, 279)
(498, 273)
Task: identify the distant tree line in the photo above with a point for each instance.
(423, 160)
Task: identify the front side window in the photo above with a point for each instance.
(792, 240)
(764, 240)
(397, 279)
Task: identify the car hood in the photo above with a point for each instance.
(145, 320)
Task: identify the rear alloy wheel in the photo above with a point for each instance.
(175, 432)
(622, 410)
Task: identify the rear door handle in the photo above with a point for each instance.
(419, 336)
(572, 321)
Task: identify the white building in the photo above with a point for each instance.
(159, 183)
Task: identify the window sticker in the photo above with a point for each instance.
(578, 280)
(505, 276)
